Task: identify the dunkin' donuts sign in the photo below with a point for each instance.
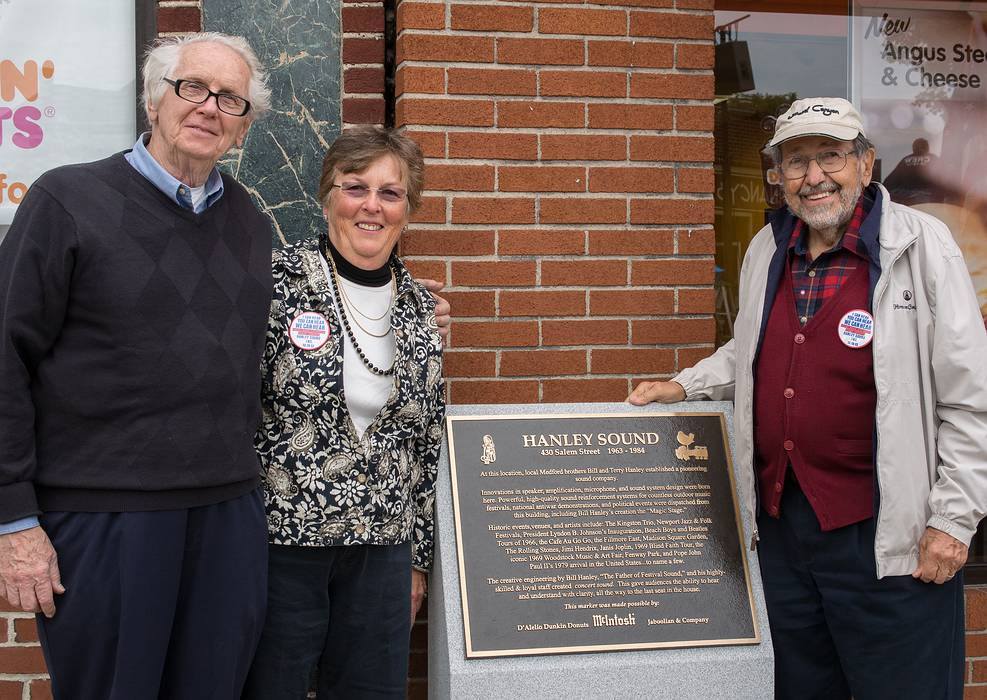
(67, 88)
(21, 126)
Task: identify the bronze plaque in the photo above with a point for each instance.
(580, 533)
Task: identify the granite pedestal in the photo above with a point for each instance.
(702, 673)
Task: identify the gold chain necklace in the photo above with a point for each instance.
(345, 304)
(349, 331)
(351, 305)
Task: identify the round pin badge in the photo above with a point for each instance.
(309, 330)
(856, 328)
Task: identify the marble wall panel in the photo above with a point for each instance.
(298, 41)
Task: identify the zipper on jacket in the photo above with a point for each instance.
(755, 538)
(878, 294)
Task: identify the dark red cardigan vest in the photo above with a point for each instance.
(814, 401)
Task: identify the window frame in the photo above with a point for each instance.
(145, 32)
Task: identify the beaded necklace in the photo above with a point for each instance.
(346, 323)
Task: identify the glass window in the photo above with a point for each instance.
(787, 56)
(67, 93)
(917, 70)
(920, 79)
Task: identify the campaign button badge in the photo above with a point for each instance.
(856, 328)
(309, 330)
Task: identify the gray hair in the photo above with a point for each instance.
(163, 57)
(355, 149)
(861, 145)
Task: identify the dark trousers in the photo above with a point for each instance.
(162, 604)
(838, 630)
(346, 610)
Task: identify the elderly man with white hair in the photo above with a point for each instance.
(132, 322)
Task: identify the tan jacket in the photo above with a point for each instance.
(930, 369)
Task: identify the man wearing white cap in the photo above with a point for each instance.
(859, 376)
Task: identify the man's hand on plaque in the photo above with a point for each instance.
(661, 392)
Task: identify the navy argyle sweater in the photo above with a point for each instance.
(131, 332)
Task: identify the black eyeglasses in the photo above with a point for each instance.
(795, 167)
(198, 93)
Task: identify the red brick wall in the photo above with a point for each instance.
(23, 675)
(976, 643)
(177, 16)
(568, 194)
(363, 62)
(569, 182)
(568, 207)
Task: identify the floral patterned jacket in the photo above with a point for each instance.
(325, 485)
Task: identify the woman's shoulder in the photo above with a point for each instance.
(408, 286)
(292, 256)
(415, 307)
(299, 259)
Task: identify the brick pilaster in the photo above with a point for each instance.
(569, 189)
(363, 63)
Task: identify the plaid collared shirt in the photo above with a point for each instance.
(815, 281)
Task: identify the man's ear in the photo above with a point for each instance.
(152, 114)
(244, 128)
(867, 163)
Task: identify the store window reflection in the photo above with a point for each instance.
(790, 56)
(919, 76)
(917, 71)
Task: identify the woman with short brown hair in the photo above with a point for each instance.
(353, 409)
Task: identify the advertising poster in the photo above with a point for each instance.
(67, 88)
(919, 77)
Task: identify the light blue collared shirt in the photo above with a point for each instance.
(18, 525)
(177, 191)
(180, 194)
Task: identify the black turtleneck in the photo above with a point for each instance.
(348, 271)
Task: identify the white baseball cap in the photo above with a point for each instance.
(818, 116)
